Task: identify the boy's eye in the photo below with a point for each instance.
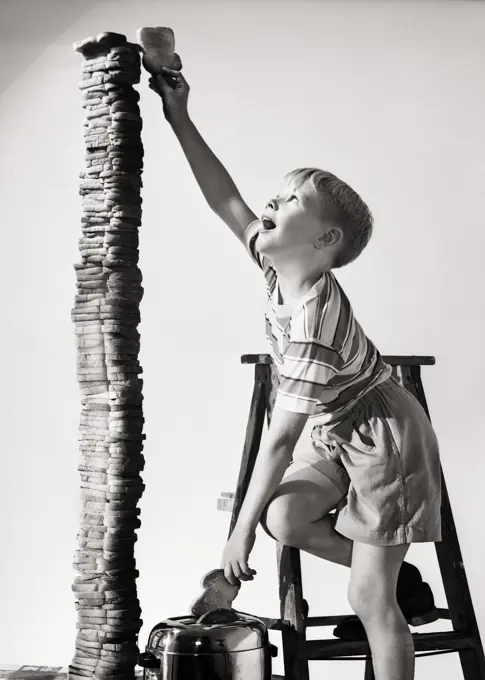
(290, 198)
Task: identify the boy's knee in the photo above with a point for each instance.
(359, 596)
(369, 598)
(278, 521)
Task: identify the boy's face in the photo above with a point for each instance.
(298, 225)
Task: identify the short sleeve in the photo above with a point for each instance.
(306, 370)
(249, 241)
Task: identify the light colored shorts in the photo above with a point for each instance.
(383, 455)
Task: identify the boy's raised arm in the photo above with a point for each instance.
(213, 179)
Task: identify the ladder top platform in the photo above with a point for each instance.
(409, 360)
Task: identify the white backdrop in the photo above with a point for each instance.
(388, 95)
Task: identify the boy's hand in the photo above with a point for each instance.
(236, 554)
(174, 91)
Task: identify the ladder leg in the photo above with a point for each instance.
(293, 634)
(291, 612)
(452, 569)
(369, 670)
(254, 431)
(457, 592)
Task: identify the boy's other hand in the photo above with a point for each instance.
(172, 87)
(236, 554)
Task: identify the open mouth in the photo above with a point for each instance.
(268, 224)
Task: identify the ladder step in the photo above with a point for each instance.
(277, 624)
(321, 621)
(317, 621)
(226, 501)
(423, 642)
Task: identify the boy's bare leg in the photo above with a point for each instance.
(372, 596)
(320, 539)
(297, 515)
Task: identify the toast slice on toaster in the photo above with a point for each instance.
(218, 593)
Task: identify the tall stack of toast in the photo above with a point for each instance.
(106, 315)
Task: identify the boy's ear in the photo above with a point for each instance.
(330, 237)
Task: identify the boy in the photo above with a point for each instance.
(365, 445)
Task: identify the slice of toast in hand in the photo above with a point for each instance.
(158, 45)
(217, 593)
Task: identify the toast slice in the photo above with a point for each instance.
(158, 44)
(218, 593)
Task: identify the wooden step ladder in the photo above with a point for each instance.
(297, 650)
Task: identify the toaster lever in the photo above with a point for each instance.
(148, 660)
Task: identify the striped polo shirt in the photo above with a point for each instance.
(324, 360)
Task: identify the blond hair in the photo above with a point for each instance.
(342, 206)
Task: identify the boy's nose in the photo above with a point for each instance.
(272, 204)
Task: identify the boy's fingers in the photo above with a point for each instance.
(246, 571)
(230, 576)
(236, 570)
(162, 84)
(243, 572)
(173, 73)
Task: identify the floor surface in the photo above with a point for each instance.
(38, 672)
